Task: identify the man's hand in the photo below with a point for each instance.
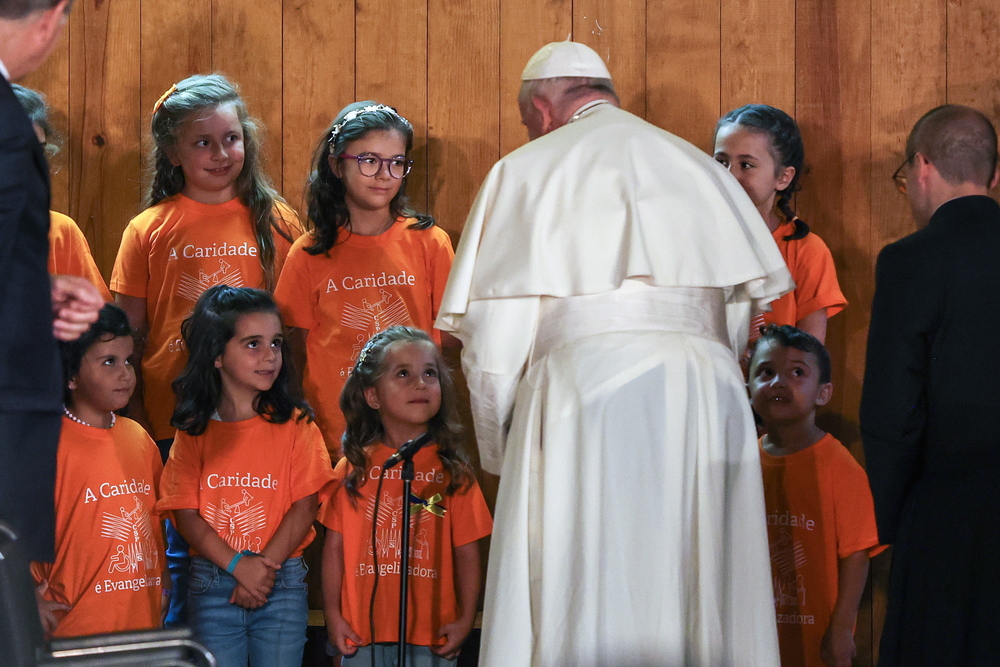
(75, 304)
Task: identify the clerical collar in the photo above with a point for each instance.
(582, 111)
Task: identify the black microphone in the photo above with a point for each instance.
(407, 450)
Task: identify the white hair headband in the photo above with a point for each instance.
(371, 108)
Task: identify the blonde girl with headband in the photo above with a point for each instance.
(212, 218)
(369, 262)
(762, 147)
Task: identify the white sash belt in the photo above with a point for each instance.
(636, 306)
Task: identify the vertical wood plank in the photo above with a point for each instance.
(616, 29)
(52, 80)
(246, 47)
(908, 66)
(833, 105)
(392, 68)
(525, 27)
(317, 83)
(683, 65)
(176, 43)
(758, 53)
(105, 126)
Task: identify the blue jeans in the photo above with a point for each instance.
(386, 656)
(271, 636)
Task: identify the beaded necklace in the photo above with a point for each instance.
(80, 421)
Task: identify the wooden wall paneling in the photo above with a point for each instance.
(833, 110)
(52, 81)
(176, 40)
(317, 81)
(616, 29)
(758, 53)
(973, 77)
(391, 48)
(463, 69)
(246, 47)
(104, 118)
(683, 66)
(525, 27)
(908, 66)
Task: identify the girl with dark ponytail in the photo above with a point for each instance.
(762, 147)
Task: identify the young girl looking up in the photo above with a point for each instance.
(370, 261)
(762, 147)
(109, 567)
(400, 388)
(212, 218)
(244, 477)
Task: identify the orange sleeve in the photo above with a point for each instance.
(131, 273)
(815, 275)
(311, 468)
(471, 518)
(287, 221)
(294, 292)
(69, 253)
(179, 483)
(854, 510)
(440, 259)
(329, 514)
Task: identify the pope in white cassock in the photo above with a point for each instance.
(603, 289)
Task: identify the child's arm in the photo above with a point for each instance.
(815, 324)
(467, 575)
(837, 648)
(47, 609)
(135, 310)
(255, 573)
(337, 626)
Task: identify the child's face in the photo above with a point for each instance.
(251, 360)
(106, 378)
(370, 193)
(408, 394)
(747, 156)
(784, 384)
(209, 150)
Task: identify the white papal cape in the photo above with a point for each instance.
(603, 283)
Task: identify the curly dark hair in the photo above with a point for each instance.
(199, 386)
(112, 322)
(364, 426)
(787, 149)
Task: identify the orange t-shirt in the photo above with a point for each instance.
(819, 510)
(171, 253)
(436, 528)
(367, 284)
(243, 477)
(69, 252)
(109, 559)
(816, 286)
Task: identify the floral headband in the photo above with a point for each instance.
(371, 108)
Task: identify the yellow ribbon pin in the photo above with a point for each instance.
(431, 505)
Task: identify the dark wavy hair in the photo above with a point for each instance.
(788, 336)
(364, 426)
(206, 332)
(787, 149)
(208, 91)
(326, 196)
(112, 322)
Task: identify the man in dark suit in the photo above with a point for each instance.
(34, 311)
(930, 410)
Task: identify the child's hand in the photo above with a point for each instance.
(456, 633)
(342, 635)
(164, 605)
(47, 609)
(256, 574)
(837, 648)
(241, 597)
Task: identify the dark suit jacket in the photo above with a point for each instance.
(30, 373)
(930, 424)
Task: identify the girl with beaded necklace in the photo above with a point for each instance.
(369, 263)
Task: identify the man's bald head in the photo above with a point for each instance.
(959, 141)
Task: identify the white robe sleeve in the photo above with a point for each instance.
(497, 337)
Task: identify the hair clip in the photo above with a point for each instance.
(364, 352)
(163, 98)
(371, 108)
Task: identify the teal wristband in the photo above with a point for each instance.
(236, 559)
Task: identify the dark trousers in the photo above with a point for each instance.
(28, 443)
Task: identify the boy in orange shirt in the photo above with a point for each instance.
(820, 515)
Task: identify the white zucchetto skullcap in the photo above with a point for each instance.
(559, 59)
